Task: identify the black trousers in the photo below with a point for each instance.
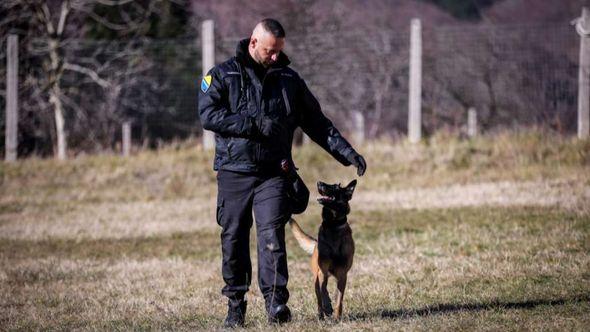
(238, 195)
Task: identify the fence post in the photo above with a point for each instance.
(11, 140)
(359, 127)
(583, 29)
(471, 122)
(126, 134)
(208, 50)
(415, 98)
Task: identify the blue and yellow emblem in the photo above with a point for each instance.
(206, 83)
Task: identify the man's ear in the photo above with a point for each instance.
(350, 188)
(253, 41)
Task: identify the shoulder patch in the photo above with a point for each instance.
(206, 83)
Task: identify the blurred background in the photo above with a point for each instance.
(95, 65)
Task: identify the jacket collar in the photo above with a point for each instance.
(244, 57)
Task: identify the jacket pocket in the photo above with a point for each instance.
(219, 212)
(286, 100)
(242, 149)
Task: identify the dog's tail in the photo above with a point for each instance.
(305, 241)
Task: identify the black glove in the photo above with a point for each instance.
(269, 127)
(358, 161)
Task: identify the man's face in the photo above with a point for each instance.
(265, 50)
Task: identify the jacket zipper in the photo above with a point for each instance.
(286, 100)
(259, 116)
(261, 113)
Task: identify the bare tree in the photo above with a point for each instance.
(53, 27)
(511, 74)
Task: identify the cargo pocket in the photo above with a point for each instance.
(219, 212)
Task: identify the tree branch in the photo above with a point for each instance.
(46, 16)
(105, 22)
(65, 9)
(89, 72)
(113, 3)
(130, 24)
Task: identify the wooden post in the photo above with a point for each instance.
(471, 122)
(208, 49)
(583, 28)
(415, 100)
(126, 134)
(359, 127)
(11, 140)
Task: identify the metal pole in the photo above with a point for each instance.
(126, 138)
(471, 122)
(583, 28)
(415, 100)
(359, 127)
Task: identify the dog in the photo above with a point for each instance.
(332, 253)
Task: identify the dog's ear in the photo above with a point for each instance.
(350, 188)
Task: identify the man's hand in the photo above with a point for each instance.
(358, 161)
(268, 127)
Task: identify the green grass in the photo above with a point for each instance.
(106, 243)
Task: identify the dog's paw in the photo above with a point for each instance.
(328, 311)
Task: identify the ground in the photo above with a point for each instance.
(484, 234)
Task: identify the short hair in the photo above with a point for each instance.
(274, 27)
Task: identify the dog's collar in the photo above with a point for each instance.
(336, 224)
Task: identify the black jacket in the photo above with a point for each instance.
(233, 100)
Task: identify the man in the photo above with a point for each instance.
(253, 102)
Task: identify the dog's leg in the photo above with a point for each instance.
(341, 285)
(318, 293)
(326, 302)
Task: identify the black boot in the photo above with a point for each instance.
(279, 313)
(236, 313)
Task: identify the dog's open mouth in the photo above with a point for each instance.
(326, 199)
(326, 195)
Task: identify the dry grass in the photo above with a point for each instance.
(110, 220)
(455, 235)
(573, 194)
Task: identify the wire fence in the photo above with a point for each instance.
(151, 83)
(512, 75)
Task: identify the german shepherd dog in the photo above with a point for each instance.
(332, 252)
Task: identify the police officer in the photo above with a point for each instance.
(254, 102)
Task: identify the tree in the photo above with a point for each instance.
(464, 9)
(51, 30)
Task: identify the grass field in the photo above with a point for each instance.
(489, 234)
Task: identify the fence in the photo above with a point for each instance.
(147, 83)
(508, 76)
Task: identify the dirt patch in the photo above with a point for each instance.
(569, 194)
